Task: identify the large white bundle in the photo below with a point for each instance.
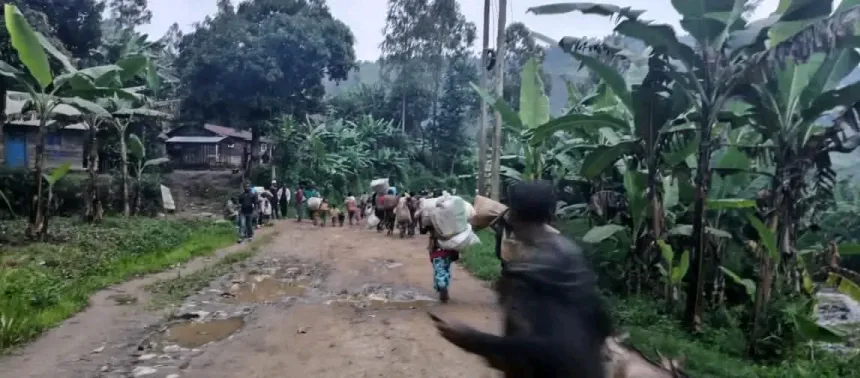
(372, 220)
(470, 210)
(380, 185)
(450, 217)
(460, 241)
(427, 203)
(314, 203)
(401, 213)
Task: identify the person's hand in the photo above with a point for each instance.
(454, 332)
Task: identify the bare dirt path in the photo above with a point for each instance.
(315, 302)
(67, 350)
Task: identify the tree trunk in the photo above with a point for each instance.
(138, 191)
(91, 196)
(254, 154)
(437, 83)
(695, 290)
(48, 212)
(37, 211)
(123, 150)
(762, 297)
(403, 113)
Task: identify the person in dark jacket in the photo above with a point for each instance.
(248, 209)
(275, 200)
(284, 200)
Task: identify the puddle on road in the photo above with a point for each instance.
(265, 289)
(195, 334)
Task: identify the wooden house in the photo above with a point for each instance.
(64, 143)
(211, 146)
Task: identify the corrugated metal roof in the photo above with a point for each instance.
(15, 102)
(194, 139)
(35, 123)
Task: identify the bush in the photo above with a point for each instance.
(17, 185)
(717, 352)
(42, 284)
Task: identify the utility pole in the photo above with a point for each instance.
(500, 84)
(482, 127)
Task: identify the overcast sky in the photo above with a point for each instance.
(366, 18)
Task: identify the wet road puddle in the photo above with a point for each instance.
(195, 334)
(263, 289)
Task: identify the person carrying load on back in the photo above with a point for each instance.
(300, 202)
(352, 210)
(441, 259)
(311, 192)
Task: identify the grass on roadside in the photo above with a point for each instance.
(172, 291)
(42, 284)
(717, 353)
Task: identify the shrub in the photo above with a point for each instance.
(17, 185)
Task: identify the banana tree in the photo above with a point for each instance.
(532, 124)
(102, 89)
(46, 93)
(728, 53)
(51, 179)
(124, 113)
(800, 313)
(138, 151)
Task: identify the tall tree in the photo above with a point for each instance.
(520, 48)
(420, 36)
(130, 13)
(75, 24)
(248, 64)
(458, 106)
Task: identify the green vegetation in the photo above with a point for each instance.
(717, 352)
(41, 284)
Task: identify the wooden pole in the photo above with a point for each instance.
(481, 136)
(500, 84)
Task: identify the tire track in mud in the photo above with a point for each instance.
(315, 302)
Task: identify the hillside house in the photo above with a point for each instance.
(63, 144)
(211, 146)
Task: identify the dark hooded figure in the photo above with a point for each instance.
(556, 322)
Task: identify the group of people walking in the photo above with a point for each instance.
(257, 205)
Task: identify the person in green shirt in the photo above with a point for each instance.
(311, 192)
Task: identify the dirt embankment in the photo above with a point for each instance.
(314, 302)
(201, 193)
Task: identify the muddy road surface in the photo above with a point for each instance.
(312, 302)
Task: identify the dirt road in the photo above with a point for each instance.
(332, 302)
